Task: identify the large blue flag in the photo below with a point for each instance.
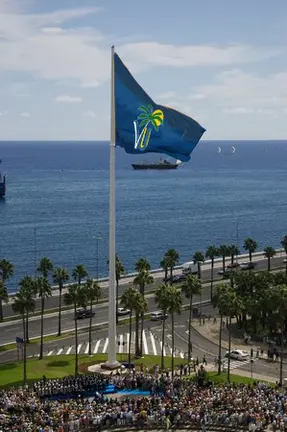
(143, 126)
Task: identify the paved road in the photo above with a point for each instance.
(52, 302)
(9, 330)
(201, 345)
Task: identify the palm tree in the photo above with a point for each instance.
(269, 252)
(228, 304)
(131, 299)
(277, 298)
(198, 259)
(79, 273)
(162, 301)
(191, 286)
(250, 245)
(4, 297)
(45, 267)
(75, 297)
(92, 291)
(44, 291)
(164, 266)
(234, 251)
(174, 307)
(29, 291)
(142, 279)
(19, 307)
(211, 253)
(284, 245)
(223, 252)
(6, 271)
(120, 269)
(60, 276)
(172, 260)
(220, 290)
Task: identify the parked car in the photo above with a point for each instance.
(237, 354)
(123, 311)
(226, 273)
(84, 313)
(158, 316)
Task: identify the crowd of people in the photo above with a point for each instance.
(171, 402)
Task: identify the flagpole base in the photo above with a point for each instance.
(111, 365)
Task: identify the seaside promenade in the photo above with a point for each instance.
(158, 274)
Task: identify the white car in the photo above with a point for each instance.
(123, 311)
(285, 260)
(237, 354)
(157, 316)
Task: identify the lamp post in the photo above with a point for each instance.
(97, 255)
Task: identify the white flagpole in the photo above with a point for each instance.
(112, 360)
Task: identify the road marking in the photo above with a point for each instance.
(169, 336)
(97, 346)
(164, 352)
(153, 344)
(79, 348)
(181, 355)
(50, 353)
(128, 341)
(106, 345)
(60, 351)
(87, 348)
(69, 350)
(145, 344)
(121, 347)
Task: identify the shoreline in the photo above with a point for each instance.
(158, 272)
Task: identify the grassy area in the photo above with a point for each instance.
(11, 374)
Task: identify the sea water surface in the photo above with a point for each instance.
(58, 196)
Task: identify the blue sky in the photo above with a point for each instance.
(222, 62)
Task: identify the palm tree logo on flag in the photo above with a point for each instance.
(147, 117)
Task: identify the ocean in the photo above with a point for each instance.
(58, 196)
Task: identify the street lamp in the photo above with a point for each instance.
(97, 254)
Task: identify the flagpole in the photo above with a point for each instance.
(112, 359)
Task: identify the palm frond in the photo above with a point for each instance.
(144, 109)
(150, 107)
(157, 117)
(143, 117)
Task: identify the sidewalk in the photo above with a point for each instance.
(210, 330)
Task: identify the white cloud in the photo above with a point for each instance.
(90, 114)
(37, 44)
(68, 99)
(197, 96)
(166, 96)
(25, 114)
(90, 84)
(156, 54)
(235, 88)
(3, 113)
(237, 110)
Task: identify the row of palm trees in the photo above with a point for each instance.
(258, 301)
(170, 260)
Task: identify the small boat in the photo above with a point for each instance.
(161, 164)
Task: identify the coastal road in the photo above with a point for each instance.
(9, 329)
(201, 345)
(52, 302)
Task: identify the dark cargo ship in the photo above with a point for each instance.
(162, 164)
(2, 184)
